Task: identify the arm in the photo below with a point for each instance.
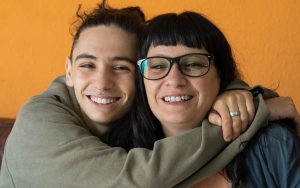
(284, 108)
(50, 147)
(238, 98)
(280, 108)
(233, 148)
(233, 101)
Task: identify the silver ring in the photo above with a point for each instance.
(232, 114)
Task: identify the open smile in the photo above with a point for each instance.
(177, 98)
(103, 100)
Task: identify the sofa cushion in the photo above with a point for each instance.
(5, 128)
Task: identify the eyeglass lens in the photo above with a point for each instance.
(190, 65)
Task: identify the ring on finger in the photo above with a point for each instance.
(236, 113)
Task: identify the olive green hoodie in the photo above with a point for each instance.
(50, 146)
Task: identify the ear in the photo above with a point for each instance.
(68, 68)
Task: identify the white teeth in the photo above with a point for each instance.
(177, 98)
(102, 100)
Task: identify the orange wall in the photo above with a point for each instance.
(34, 41)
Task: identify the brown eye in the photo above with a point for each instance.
(121, 68)
(87, 65)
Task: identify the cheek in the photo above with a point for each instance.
(213, 80)
(131, 90)
(79, 79)
(208, 88)
(127, 85)
(150, 90)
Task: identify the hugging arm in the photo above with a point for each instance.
(50, 146)
(235, 99)
(241, 100)
(284, 108)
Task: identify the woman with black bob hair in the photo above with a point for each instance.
(185, 62)
(189, 29)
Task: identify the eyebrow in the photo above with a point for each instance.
(117, 58)
(85, 56)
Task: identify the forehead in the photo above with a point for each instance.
(172, 51)
(106, 41)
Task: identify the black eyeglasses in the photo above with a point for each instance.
(158, 67)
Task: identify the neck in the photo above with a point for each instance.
(215, 180)
(175, 129)
(95, 128)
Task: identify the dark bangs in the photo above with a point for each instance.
(172, 29)
(192, 30)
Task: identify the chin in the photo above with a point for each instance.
(177, 119)
(174, 121)
(101, 119)
(104, 121)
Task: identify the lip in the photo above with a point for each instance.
(177, 103)
(103, 101)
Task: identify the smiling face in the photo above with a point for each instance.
(180, 102)
(102, 73)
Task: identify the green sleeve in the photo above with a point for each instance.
(237, 84)
(49, 147)
(240, 84)
(230, 150)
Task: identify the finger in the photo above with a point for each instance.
(236, 120)
(250, 107)
(247, 113)
(214, 118)
(226, 121)
(236, 126)
(244, 116)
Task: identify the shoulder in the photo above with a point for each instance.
(47, 118)
(44, 107)
(277, 132)
(58, 98)
(277, 143)
(272, 157)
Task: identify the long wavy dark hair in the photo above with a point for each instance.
(192, 30)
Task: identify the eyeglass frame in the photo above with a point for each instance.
(173, 60)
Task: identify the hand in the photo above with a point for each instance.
(283, 108)
(233, 101)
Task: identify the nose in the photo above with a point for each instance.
(175, 77)
(103, 79)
